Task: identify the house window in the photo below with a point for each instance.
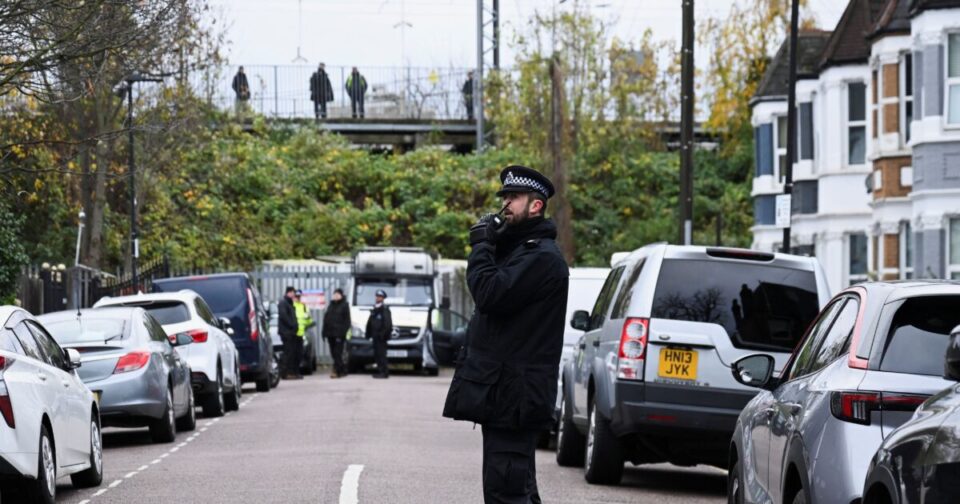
(906, 96)
(858, 258)
(780, 155)
(953, 78)
(856, 123)
(906, 251)
(805, 131)
(953, 255)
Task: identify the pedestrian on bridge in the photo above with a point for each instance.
(321, 92)
(357, 90)
(379, 328)
(506, 380)
(241, 88)
(287, 327)
(467, 91)
(336, 323)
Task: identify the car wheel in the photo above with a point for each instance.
(432, 371)
(44, 488)
(188, 421)
(800, 497)
(213, 404)
(164, 429)
(232, 399)
(570, 442)
(603, 462)
(94, 475)
(735, 484)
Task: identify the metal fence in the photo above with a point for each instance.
(392, 92)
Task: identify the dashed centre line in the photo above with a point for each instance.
(350, 486)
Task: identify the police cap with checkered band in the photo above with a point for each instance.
(520, 179)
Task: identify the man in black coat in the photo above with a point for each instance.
(321, 92)
(336, 323)
(467, 91)
(357, 91)
(379, 327)
(287, 326)
(507, 376)
(241, 88)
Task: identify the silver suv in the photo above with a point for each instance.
(651, 379)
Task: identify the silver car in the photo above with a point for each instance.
(873, 354)
(130, 365)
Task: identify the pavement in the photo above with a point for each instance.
(353, 440)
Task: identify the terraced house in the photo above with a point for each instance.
(877, 179)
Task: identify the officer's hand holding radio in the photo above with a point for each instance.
(489, 228)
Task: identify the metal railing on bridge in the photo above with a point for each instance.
(283, 91)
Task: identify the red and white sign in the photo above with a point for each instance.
(315, 299)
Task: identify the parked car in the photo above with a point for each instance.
(51, 422)
(650, 381)
(213, 358)
(870, 358)
(131, 367)
(308, 361)
(920, 461)
(235, 297)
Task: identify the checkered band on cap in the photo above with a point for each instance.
(511, 180)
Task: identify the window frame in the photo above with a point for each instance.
(850, 124)
(948, 81)
(779, 172)
(906, 78)
(851, 276)
(794, 368)
(906, 252)
(601, 307)
(952, 270)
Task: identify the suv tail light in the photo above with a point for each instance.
(198, 335)
(633, 349)
(131, 362)
(856, 406)
(254, 327)
(6, 407)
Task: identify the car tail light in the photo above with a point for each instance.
(131, 362)
(198, 335)
(856, 406)
(254, 327)
(633, 348)
(6, 407)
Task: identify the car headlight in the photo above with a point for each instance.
(356, 332)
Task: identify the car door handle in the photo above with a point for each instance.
(66, 384)
(596, 342)
(42, 376)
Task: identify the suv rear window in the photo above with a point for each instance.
(761, 307)
(223, 295)
(168, 312)
(919, 334)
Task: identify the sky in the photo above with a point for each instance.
(439, 33)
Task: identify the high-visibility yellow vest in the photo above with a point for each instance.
(303, 318)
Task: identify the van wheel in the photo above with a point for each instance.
(94, 475)
(164, 429)
(603, 463)
(570, 442)
(44, 488)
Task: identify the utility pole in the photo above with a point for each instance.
(478, 78)
(791, 122)
(686, 126)
(493, 37)
(496, 34)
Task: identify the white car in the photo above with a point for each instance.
(50, 423)
(213, 357)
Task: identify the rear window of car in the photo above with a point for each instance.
(223, 295)
(168, 312)
(87, 330)
(761, 307)
(919, 334)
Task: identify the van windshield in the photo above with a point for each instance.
(761, 307)
(400, 291)
(223, 295)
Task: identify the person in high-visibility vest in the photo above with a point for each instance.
(304, 322)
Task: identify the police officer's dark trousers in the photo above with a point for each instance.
(509, 466)
(336, 351)
(293, 354)
(380, 354)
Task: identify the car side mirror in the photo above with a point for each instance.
(754, 370)
(226, 325)
(580, 320)
(182, 339)
(73, 358)
(951, 364)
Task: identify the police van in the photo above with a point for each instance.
(426, 333)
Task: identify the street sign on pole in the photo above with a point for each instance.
(783, 210)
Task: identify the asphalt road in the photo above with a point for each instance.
(326, 441)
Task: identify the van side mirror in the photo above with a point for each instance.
(754, 370)
(951, 364)
(580, 320)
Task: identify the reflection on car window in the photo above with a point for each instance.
(168, 312)
(627, 292)
(603, 300)
(50, 348)
(761, 307)
(400, 291)
(919, 334)
(223, 295)
(837, 339)
(86, 330)
(801, 361)
(30, 347)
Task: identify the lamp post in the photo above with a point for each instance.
(82, 217)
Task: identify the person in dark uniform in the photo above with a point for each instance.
(321, 92)
(336, 323)
(287, 327)
(357, 91)
(379, 327)
(467, 91)
(506, 379)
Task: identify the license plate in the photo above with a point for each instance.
(397, 354)
(96, 395)
(678, 364)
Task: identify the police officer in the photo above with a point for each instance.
(304, 322)
(287, 327)
(379, 327)
(506, 379)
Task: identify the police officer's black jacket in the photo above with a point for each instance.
(380, 323)
(508, 377)
(336, 320)
(286, 318)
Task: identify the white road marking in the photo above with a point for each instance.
(204, 429)
(100, 492)
(181, 445)
(143, 468)
(165, 455)
(155, 461)
(174, 449)
(350, 486)
(130, 475)
(85, 501)
(115, 483)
